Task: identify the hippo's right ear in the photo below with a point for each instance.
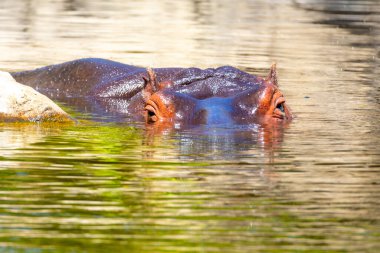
(150, 84)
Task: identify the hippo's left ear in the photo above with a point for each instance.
(150, 84)
(272, 76)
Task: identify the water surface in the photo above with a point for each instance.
(313, 186)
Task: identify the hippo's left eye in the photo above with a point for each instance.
(281, 107)
(279, 110)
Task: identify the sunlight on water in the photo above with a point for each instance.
(120, 187)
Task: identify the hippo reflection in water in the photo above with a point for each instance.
(166, 97)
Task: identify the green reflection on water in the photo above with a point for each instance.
(104, 187)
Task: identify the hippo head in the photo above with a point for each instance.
(215, 100)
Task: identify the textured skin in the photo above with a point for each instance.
(195, 96)
(104, 78)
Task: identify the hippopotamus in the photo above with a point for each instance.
(166, 96)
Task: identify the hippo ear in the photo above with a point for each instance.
(272, 76)
(150, 84)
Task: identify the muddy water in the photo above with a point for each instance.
(117, 187)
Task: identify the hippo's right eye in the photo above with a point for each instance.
(151, 114)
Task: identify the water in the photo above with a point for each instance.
(115, 187)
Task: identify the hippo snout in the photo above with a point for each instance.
(214, 111)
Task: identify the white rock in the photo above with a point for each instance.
(19, 102)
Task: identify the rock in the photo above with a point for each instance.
(19, 102)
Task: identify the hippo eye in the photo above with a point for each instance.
(281, 107)
(151, 115)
